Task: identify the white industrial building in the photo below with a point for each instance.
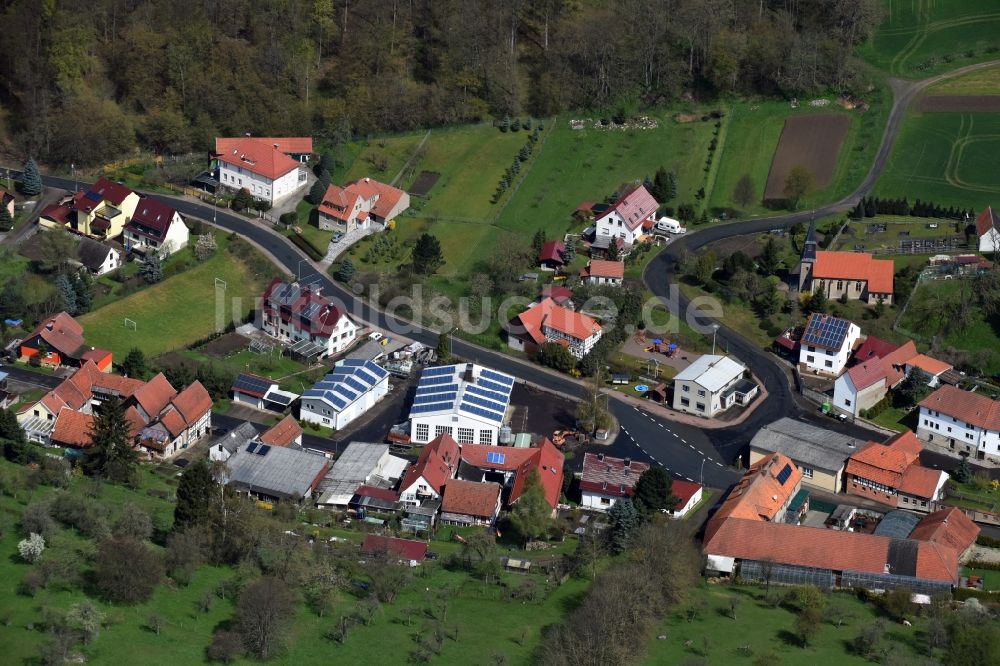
(466, 401)
(354, 386)
(712, 384)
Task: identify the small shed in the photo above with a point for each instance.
(516, 564)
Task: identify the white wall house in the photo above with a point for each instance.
(712, 384)
(988, 230)
(606, 480)
(861, 387)
(354, 386)
(99, 258)
(827, 343)
(261, 168)
(961, 421)
(157, 227)
(547, 322)
(627, 217)
(465, 401)
(293, 313)
(688, 494)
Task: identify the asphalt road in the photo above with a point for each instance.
(38, 379)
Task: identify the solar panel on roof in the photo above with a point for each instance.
(506, 380)
(783, 475)
(441, 370)
(251, 447)
(492, 395)
(262, 451)
(279, 398)
(432, 407)
(483, 402)
(436, 397)
(479, 411)
(337, 402)
(366, 376)
(430, 381)
(437, 388)
(355, 384)
(493, 386)
(344, 391)
(249, 383)
(495, 457)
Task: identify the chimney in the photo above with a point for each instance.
(247, 135)
(774, 497)
(600, 457)
(628, 462)
(468, 373)
(275, 146)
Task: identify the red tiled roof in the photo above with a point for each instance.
(286, 144)
(973, 408)
(684, 491)
(155, 395)
(557, 293)
(635, 207)
(477, 456)
(193, 402)
(874, 347)
(60, 213)
(987, 220)
(135, 422)
(257, 156)
(98, 356)
(928, 364)
(384, 494)
(610, 476)
(125, 387)
(547, 313)
(759, 495)
(602, 268)
(322, 322)
(948, 527)
(73, 429)
(152, 219)
(61, 333)
(880, 463)
(908, 443)
(388, 196)
(340, 202)
(173, 422)
(111, 191)
(895, 363)
(470, 498)
(406, 549)
(920, 481)
(436, 464)
(545, 458)
(867, 374)
(855, 266)
(552, 251)
(283, 433)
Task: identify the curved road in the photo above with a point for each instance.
(684, 450)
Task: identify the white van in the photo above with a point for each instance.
(669, 225)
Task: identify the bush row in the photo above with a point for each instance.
(876, 409)
(306, 246)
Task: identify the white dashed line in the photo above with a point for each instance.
(689, 478)
(684, 440)
(718, 463)
(692, 446)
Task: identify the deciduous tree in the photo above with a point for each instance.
(744, 192)
(126, 570)
(531, 514)
(799, 183)
(264, 611)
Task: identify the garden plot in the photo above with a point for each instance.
(812, 141)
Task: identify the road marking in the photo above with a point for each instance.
(689, 478)
(685, 441)
(718, 463)
(625, 431)
(692, 446)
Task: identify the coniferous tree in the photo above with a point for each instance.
(64, 283)
(84, 298)
(653, 492)
(770, 257)
(625, 521)
(444, 347)
(346, 271)
(194, 493)
(111, 455)
(316, 192)
(31, 180)
(134, 364)
(10, 429)
(6, 221)
(151, 268)
(427, 256)
(538, 241)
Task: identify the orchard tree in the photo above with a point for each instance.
(264, 611)
(126, 570)
(744, 192)
(799, 183)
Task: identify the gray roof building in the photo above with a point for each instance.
(276, 472)
(811, 448)
(235, 439)
(361, 463)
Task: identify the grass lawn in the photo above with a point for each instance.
(178, 311)
(947, 158)
(917, 39)
(471, 160)
(266, 365)
(769, 631)
(991, 578)
(381, 158)
(895, 418)
(590, 164)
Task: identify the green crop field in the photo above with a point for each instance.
(176, 312)
(981, 82)
(590, 164)
(920, 37)
(947, 158)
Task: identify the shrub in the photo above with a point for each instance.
(306, 246)
(36, 519)
(31, 548)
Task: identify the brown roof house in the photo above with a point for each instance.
(891, 474)
(606, 480)
(61, 337)
(965, 422)
(470, 503)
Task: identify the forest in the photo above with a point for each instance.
(82, 82)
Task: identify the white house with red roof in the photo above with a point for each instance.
(606, 480)
(155, 227)
(988, 230)
(688, 494)
(965, 422)
(297, 147)
(827, 344)
(512, 467)
(547, 322)
(600, 271)
(424, 480)
(299, 316)
(630, 217)
(100, 212)
(359, 204)
(259, 166)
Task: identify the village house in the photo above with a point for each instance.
(512, 467)
(599, 271)
(988, 231)
(856, 275)
(261, 393)
(819, 454)
(629, 217)
(552, 255)
(274, 473)
(963, 422)
(891, 474)
(299, 148)
(354, 387)
(424, 480)
(867, 382)
(827, 344)
(470, 503)
(155, 227)
(688, 494)
(101, 212)
(299, 316)
(286, 432)
(183, 421)
(606, 480)
(7, 201)
(262, 167)
(465, 401)
(99, 258)
(227, 444)
(357, 205)
(406, 550)
(547, 322)
(60, 337)
(711, 385)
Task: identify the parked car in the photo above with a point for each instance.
(337, 236)
(670, 225)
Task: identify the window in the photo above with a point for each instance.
(847, 403)
(700, 406)
(807, 473)
(829, 364)
(442, 430)
(685, 402)
(859, 285)
(466, 436)
(923, 503)
(906, 500)
(423, 432)
(485, 436)
(810, 359)
(840, 284)
(701, 392)
(684, 388)
(605, 501)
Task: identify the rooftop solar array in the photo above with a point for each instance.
(283, 399)
(251, 384)
(783, 475)
(448, 389)
(349, 380)
(495, 457)
(825, 331)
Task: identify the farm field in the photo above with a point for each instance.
(178, 311)
(981, 82)
(920, 38)
(813, 141)
(590, 164)
(947, 158)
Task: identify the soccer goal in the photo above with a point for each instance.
(129, 323)
(220, 283)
